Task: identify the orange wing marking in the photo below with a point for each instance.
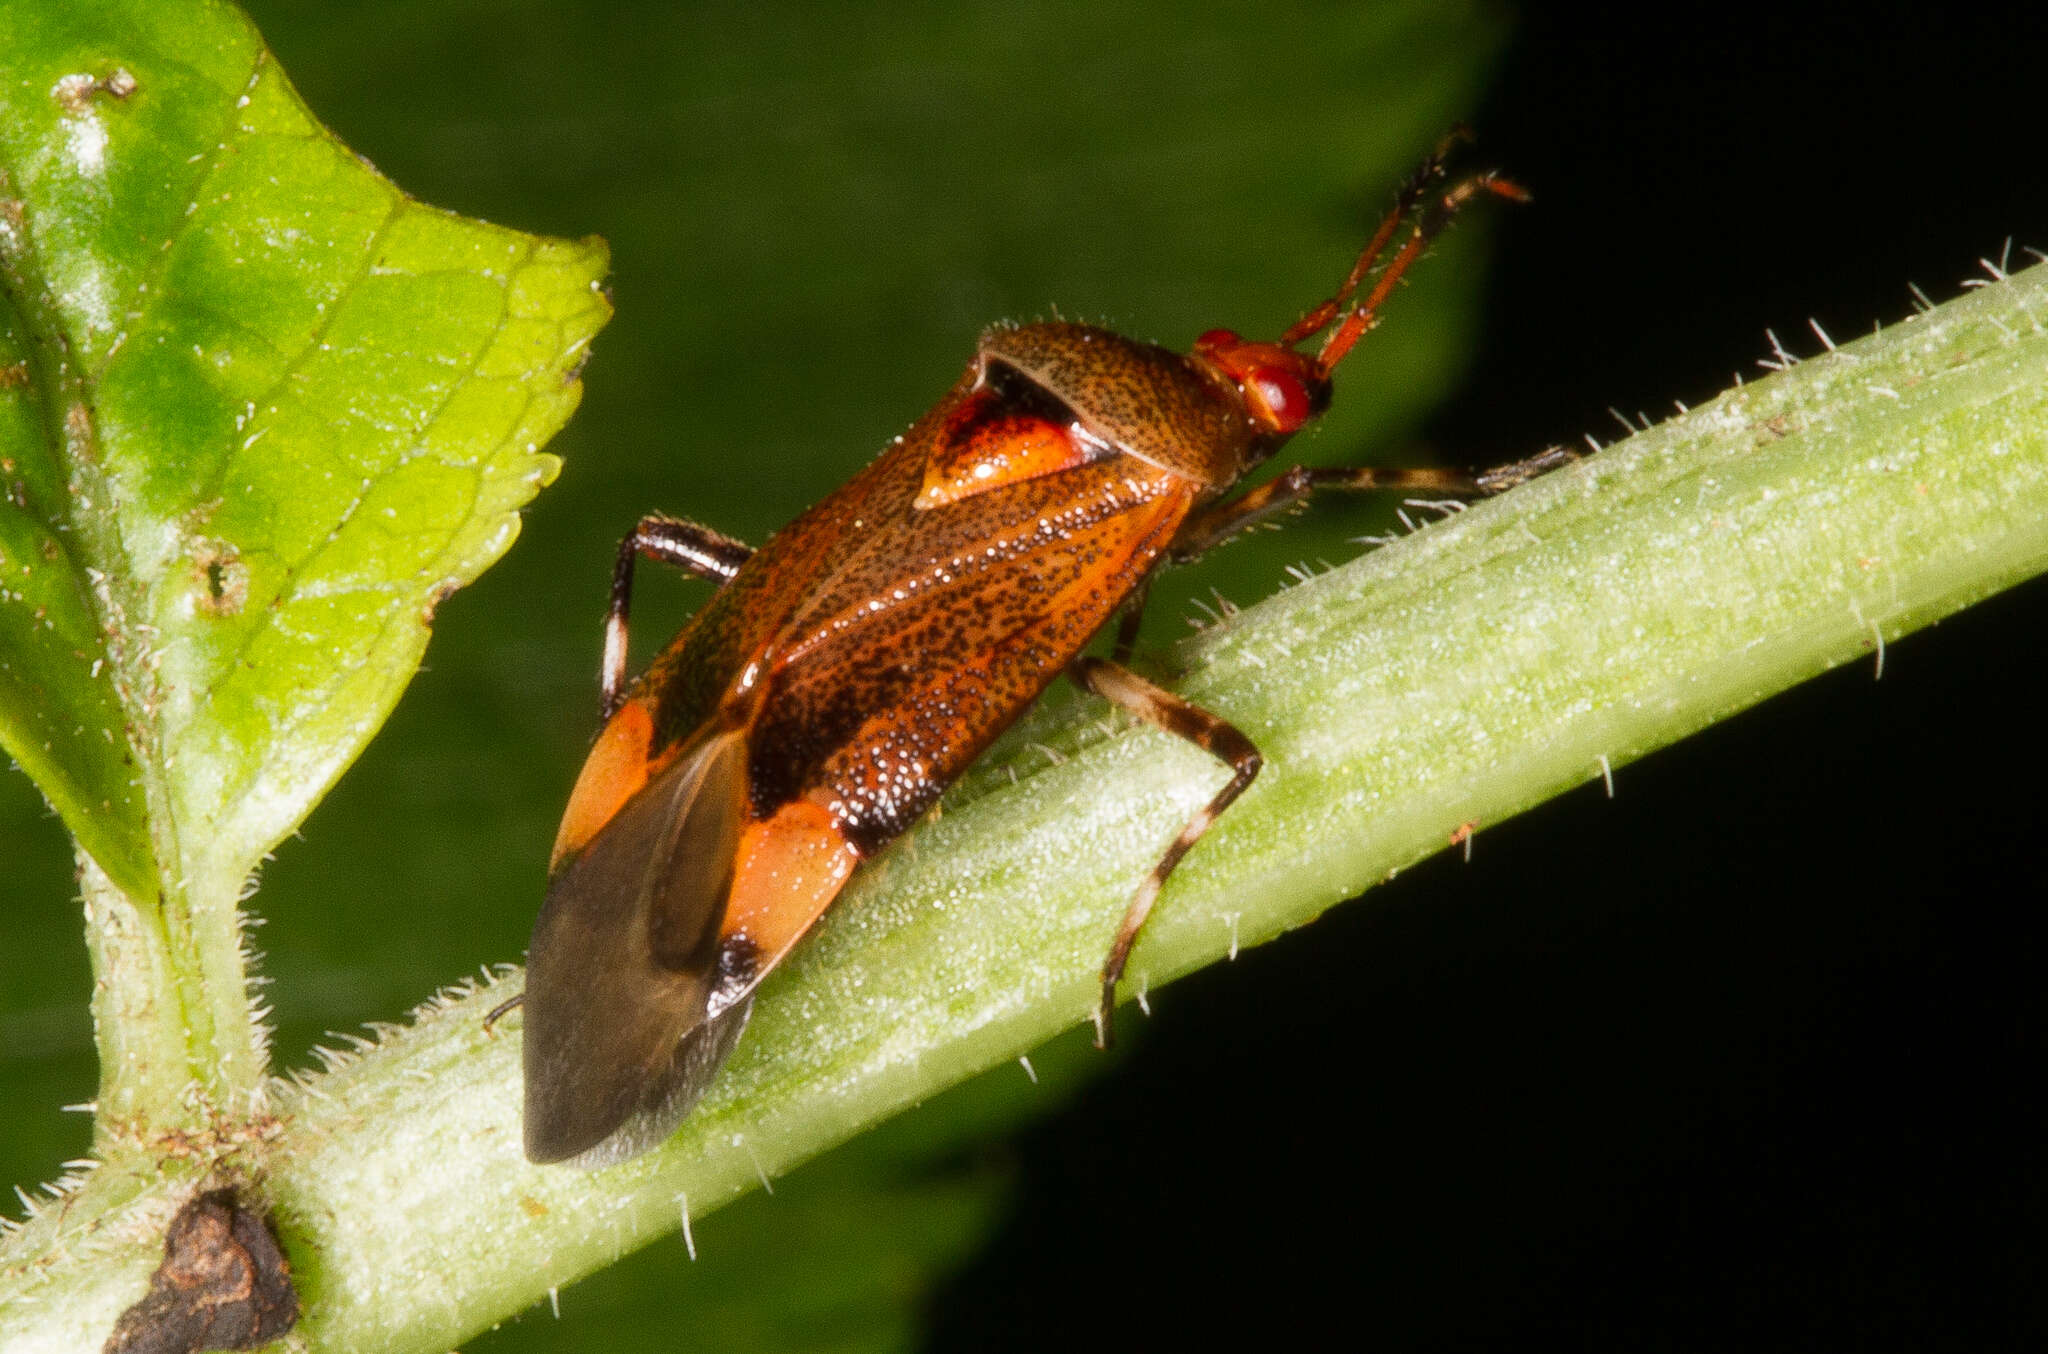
(617, 767)
(981, 450)
(790, 868)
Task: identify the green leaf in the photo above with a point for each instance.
(59, 717)
(259, 413)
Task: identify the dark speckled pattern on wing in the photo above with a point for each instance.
(919, 638)
(882, 706)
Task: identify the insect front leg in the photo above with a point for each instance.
(1214, 735)
(695, 549)
(1219, 523)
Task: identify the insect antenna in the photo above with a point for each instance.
(1426, 220)
(1428, 225)
(1424, 177)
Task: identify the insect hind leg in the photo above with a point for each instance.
(694, 548)
(503, 1009)
(1214, 735)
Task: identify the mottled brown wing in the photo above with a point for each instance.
(884, 701)
(623, 1026)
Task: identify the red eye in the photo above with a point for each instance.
(1281, 390)
(1285, 400)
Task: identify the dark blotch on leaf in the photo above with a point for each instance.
(226, 579)
(224, 1284)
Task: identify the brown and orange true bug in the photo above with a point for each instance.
(848, 670)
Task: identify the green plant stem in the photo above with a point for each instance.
(181, 1043)
(1531, 644)
(135, 1008)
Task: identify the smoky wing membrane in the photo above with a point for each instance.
(620, 1032)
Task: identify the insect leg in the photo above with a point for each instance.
(1128, 620)
(1217, 524)
(696, 549)
(502, 1009)
(1163, 710)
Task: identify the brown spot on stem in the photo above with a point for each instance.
(223, 1284)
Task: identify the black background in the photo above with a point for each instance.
(1749, 1056)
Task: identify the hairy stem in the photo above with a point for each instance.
(136, 1010)
(1529, 645)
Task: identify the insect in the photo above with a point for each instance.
(843, 674)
